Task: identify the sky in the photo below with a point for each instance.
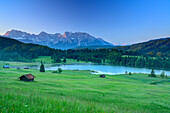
(116, 21)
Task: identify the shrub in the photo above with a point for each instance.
(57, 60)
(64, 60)
(54, 71)
(166, 76)
(59, 70)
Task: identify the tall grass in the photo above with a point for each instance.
(82, 92)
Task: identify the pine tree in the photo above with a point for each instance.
(64, 60)
(42, 69)
(162, 74)
(152, 73)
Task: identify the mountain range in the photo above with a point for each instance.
(66, 41)
(79, 40)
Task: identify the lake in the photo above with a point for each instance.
(106, 69)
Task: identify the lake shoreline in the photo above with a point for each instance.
(106, 69)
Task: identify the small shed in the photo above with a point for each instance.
(102, 76)
(26, 68)
(6, 66)
(27, 77)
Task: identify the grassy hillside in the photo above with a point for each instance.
(13, 50)
(158, 47)
(82, 92)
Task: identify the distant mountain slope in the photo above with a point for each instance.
(66, 41)
(11, 49)
(95, 47)
(153, 47)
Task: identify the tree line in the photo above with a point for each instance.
(113, 56)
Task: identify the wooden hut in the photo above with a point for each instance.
(102, 76)
(27, 77)
(26, 68)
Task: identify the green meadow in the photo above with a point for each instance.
(82, 92)
(48, 60)
(37, 61)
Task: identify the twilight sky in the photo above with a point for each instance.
(116, 21)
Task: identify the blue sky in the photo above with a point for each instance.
(117, 21)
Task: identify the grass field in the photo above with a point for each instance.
(37, 62)
(2, 63)
(47, 59)
(82, 92)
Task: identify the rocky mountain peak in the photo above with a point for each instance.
(64, 35)
(42, 33)
(66, 41)
(7, 33)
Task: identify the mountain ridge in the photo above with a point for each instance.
(66, 41)
(12, 49)
(154, 47)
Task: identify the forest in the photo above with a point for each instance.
(13, 50)
(114, 57)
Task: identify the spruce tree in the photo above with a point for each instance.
(162, 74)
(64, 60)
(152, 73)
(42, 69)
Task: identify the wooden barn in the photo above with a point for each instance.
(102, 76)
(27, 77)
(26, 68)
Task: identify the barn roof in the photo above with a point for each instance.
(29, 76)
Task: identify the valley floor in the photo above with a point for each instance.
(82, 92)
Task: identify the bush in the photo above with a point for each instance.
(166, 76)
(130, 73)
(64, 60)
(57, 60)
(54, 71)
(59, 70)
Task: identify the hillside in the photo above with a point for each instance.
(95, 47)
(158, 47)
(66, 41)
(82, 92)
(11, 49)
